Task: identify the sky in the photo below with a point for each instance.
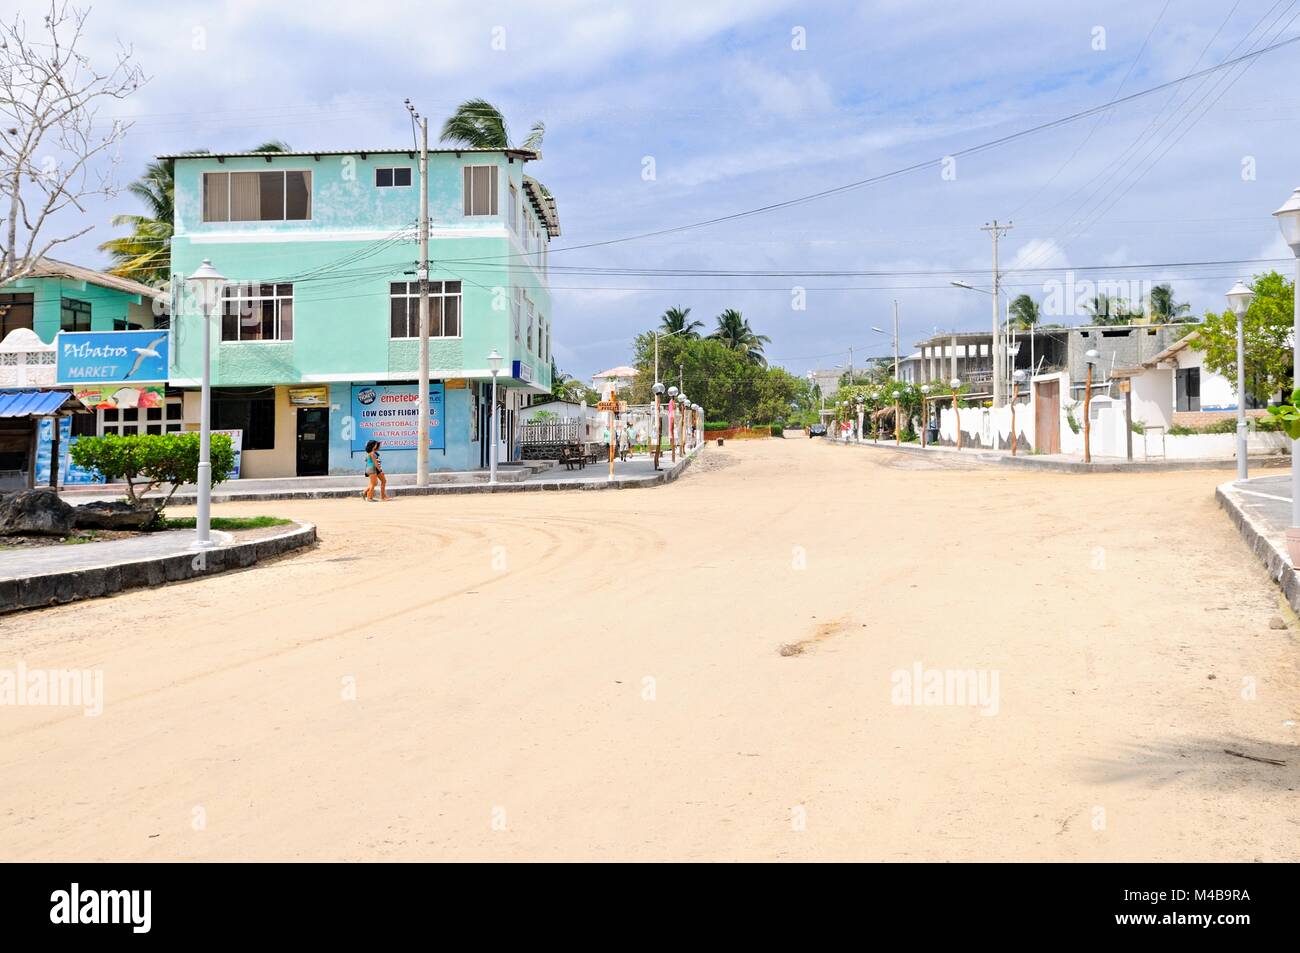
(678, 112)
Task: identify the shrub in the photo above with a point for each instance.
(716, 425)
(778, 430)
(147, 461)
(1178, 430)
(1228, 425)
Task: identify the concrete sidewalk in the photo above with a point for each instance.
(24, 561)
(1260, 508)
(638, 471)
(1068, 463)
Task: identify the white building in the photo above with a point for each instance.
(1176, 386)
(619, 378)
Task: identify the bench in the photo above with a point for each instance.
(572, 456)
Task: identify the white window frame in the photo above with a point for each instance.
(275, 296)
(517, 308)
(141, 423)
(412, 298)
(394, 169)
(230, 197)
(531, 317)
(467, 191)
(514, 209)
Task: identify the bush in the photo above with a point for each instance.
(716, 425)
(1178, 430)
(146, 461)
(1228, 425)
(778, 430)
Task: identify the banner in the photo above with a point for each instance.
(390, 413)
(120, 396)
(111, 356)
(236, 444)
(69, 473)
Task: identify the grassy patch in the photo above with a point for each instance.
(227, 522)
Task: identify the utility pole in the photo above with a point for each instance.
(996, 230)
(422, 439)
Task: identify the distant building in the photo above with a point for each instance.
(826, 381)
(619, 378)
(968, 355)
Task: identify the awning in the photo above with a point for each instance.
(32, 403)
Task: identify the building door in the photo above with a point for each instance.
(1047, 416)
(1188, 389)
(313, 441)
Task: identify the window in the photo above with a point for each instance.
(1188, 389)
(404, 309)
(129, 422)
(251, 410)
(480, 190)
(517, 310)
(530, 324)
(74, 315)
(514, 208)
(257, 313)
(122, 324)
(399, 178)
(280, 196)
(15, 312)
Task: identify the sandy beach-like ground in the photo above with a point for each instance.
(601, 676)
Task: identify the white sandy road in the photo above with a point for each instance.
(514, 696)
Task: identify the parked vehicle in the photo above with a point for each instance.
(816, 430)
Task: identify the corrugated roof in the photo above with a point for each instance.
(32, 403)
(526, 154)
(53, 268)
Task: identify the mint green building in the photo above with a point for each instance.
(318, 324)
(59, 296)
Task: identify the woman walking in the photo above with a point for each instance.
(375, 471)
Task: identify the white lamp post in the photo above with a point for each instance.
(925, 412)
(672, 424)
(859, 405)
(1288, 219)
(206, 283)
(898, 424)
(956, 411)
(659, 426)
(1239, 299)
(494, 367)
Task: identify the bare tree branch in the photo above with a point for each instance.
(55, 151)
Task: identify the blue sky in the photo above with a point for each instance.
(734, 115)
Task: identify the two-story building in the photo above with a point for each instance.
(315, 346)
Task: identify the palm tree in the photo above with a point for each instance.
(674, 321)
(1024, 311)
(478, 124)
(145, 255)
(1163, 307)
(735, 333)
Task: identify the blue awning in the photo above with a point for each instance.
(32, 403)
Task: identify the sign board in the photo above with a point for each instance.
(1125, 385)
(69, 473)
(120, 396)
(617, 406)
(390, 413)
(316, 395)
(521, 371)
(108, 357)
(236, 444)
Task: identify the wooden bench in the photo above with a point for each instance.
(572, 456)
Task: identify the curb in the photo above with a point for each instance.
(1029, 461)
(1270, 553)
(57, 588)
(666, 475)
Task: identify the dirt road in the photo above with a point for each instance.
(713, 669)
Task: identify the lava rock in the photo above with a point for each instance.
(34, 513)
(116, 515)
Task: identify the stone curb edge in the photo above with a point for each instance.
(57, 588)
(1269, 553)
(1063, 466)
(343, 493)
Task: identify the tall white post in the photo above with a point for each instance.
(492, 472)
(422, 446)
(203, 522)
(1241, 398)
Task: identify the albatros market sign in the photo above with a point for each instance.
(391, 415)
(111, 357)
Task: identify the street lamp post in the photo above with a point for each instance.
(494, 368)
(1016, 378)
(1288, 219)
(956, 411)
(898, 426)
(659, 424)
(1091, 357)
(925, 412)
(1239, 299)
(858, 403)
(207, 282)
(672, 432)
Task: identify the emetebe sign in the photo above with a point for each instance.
(391, 414)
(110, 357)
